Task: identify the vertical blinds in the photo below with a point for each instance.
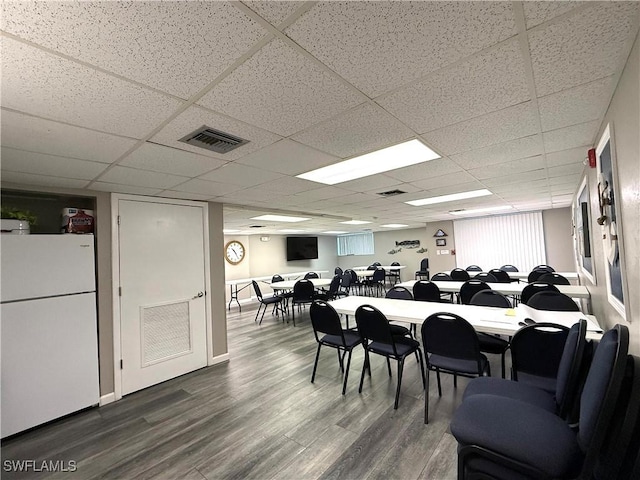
(491, 242)
(356, 244)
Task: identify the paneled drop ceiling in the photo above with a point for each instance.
(96, 95)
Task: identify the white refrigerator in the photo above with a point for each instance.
(48, 328)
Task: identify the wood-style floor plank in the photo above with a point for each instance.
(259, 417)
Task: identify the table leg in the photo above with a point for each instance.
(234, 296)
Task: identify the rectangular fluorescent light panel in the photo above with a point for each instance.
(394, 225)
(450, 198)
(481, 210)
(279, 218)
(390, 158)
(355, 222)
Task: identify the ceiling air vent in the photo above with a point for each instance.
(214, 140)
(256, 226)
(391, 193)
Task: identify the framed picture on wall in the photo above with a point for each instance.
(441, 242)
(582, 233)
(610, 223)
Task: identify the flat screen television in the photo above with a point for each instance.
(302, 248)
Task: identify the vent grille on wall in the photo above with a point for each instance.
(391, 193)
(213, 140)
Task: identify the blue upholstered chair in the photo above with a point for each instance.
(533, 288)
(550, 300)
(459, 275)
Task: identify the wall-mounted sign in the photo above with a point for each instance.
(441, 242)
(440, 233)
(408, 244)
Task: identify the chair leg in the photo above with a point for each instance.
(346, 373)
(293, 314)
(340, 361)
(503, 364)
(365, 365)
(389, 366)
(400, 369)
(455, 380)
(439, 384)
(421, 369)
(426, 398)
(258, 312)
(315, 364)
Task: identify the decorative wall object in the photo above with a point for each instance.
(422, 250)
(440, 233)
(611, 228)
(441, 242)
(393, 251)
(582, 233)
(408, 244)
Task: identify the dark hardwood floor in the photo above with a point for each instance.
(258, 417)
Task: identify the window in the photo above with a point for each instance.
(355, 244)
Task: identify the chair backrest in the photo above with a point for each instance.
(490, 298)
(303, 291)
(553, 279)
(256, 288)
(376, 264)
(549, 300)
(533, 288)
(537, 349)
(508, 268)
(277, 278)
(335, 285)
(426, 291)
(337, 271)
(473, 268)
(400, 293)
(352, 274)
(548, 268)
(424, 265)
(395, 270)
(486, 277)
(536, 273)
(501, 275)
(311, 275)
(441, 277)
(470, 288)
(568, 379)
(373, 326)
(451, 336)
(325, 319)
(378, 275)
(346, 280)
(600, 393)
(459, 275)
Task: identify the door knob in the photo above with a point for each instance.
(200, 294)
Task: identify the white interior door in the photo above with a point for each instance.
(162, 302)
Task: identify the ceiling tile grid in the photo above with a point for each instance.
(45, 85)
(140, 178)
(288, 157)
(143, 41)
(432, 168)
(280, 90)
(128, 189)
(43, 164)
(570, 137)
(482, 84)
(204, 187)
(275, 12)
(501, 152)
(42, 180)
(243, 175)
(515, 168)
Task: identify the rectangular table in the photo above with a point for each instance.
(288, 284)
(524, 275)
(386, 267)
(502, 321)
(573, 291)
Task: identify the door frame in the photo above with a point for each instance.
(115, 280)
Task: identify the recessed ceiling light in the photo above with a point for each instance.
(481, 210)
(279, 218)
(450, 198)
(228, 230)
(335, 232)
(291, 230)
(394, 225)
(355, 222)
(390, 158)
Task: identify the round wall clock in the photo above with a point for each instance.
(234, 252)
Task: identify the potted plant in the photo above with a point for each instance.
(17, 221)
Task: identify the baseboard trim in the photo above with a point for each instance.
(219, 359)
(107, 399)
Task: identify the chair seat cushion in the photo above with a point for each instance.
(270, 300)
(492, 344)
(510, 389)
(518, 431)
(456, 364)
(404, 346)
(351, 339)
(398, 330)
(545, 383)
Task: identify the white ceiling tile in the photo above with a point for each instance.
(288, 157)
(143, 41)
(184, 195)
(249, 196)
(42, 180)
(274, 12)
(140, 178)
(584, 47)
(204, 187)
(570, 137)
(570, 179)
(238, 174)
(280, 90)
(324, 193)
(45, 136)
(444, 180)
(436, 188)
(432, 168)
(40, 163)
(289, 185)
(483, 84)
(574, 155)
(158, 158)
(45, 85)
(130, 189)
(576, 105)
(518, 178)
(514, 167)
(539, 12)
(497, 127)
(195, 117)
(378, 46)
(363, 129)
(571, 168)
(521, 186)
(370, 184)
(500, 153)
